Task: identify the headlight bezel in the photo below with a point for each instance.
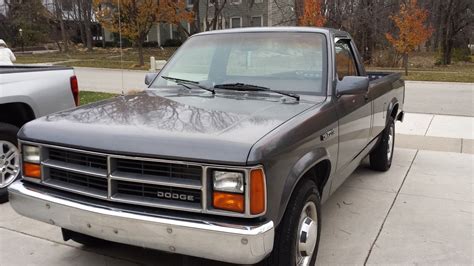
(31, 162)
(247, 192)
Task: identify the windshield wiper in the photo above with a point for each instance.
(185, 82)
(250, 87)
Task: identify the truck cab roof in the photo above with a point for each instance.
(326, 31)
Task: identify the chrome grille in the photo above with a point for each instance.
(157, 194)
(87, 160)
(156, 183)
(83, 183)
(80, 180)
(166, 170)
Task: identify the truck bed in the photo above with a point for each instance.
(378, 75)
(29, 68)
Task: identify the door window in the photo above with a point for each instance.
(345, 64)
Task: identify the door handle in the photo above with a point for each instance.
(366, 97)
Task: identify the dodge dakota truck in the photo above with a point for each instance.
(26, 93)
(228, 155)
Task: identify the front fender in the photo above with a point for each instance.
(300, 168)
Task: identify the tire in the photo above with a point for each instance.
(382, 155)
(8, 139)
(88, 241)
(285, 251)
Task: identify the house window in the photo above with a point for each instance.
(256, 21)
(66, 5)
(235, 2)
(236, 22)
(189, 3)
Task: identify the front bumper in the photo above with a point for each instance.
(224, 242)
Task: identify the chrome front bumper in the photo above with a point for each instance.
(224, 242)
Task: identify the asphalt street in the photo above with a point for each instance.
(447, 98)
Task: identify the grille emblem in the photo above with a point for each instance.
(176, 196)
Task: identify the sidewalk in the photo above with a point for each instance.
(436, 133)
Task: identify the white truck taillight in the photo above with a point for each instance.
(75, 89)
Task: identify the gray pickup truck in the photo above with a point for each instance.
(228, 155)
(28, 92)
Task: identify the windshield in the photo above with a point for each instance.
(293, 62)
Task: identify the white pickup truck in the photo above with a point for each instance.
(26, 93)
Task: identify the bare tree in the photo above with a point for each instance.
(58, 6)
(458, 15)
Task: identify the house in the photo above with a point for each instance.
(234, 14)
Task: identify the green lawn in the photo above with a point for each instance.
(422, 64)
(101, 58)
(87, 97)
(453, 73)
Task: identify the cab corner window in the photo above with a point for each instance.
(345, 65)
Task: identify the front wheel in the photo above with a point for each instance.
(381, 156)
(297, 236)
(9, 158)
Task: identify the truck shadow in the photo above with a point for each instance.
(333, 212)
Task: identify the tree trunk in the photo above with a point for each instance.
(86, 16)
(103, 36)
(64, 35)
(83, 33)
(446, 39)
(88, 36)
(141, 61)
(196, 25)
(405, 63)
(59, 15)
(80, 20)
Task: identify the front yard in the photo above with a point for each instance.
(100, 58)
(87, 97)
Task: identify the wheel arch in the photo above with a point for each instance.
(316, 166)
(392, 110)
(16, 113)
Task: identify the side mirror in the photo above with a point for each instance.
(351, 85)
(149, 77)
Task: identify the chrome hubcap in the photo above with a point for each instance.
(390, 143)
(9, 163)
(307, 234)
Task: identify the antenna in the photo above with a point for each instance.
(120, 44)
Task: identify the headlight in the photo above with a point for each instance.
(31, 154)
(31, 161)
(228, 181)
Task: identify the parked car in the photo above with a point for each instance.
(227, 156)
(28, 92)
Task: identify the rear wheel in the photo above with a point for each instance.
(9, 158)
(381, 156)
(297, 236)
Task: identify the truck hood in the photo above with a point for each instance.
(176, 125)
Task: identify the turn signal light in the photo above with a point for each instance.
(257, 191)
(228, 201)
(32, 170)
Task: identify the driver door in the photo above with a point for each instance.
(354, 112)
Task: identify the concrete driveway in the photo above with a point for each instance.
(419, 212)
